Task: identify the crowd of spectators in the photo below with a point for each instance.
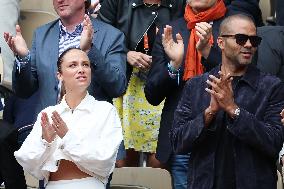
(197, 85)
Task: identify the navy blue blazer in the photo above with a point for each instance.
(107, 56)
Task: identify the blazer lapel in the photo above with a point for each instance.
(53, 48)
(96, 29)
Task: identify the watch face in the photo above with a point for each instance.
(237, 111)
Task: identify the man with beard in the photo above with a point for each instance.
(229, 119)
(169, 71)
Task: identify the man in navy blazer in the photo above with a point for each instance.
(36, 70)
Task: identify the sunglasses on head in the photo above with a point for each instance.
(241, 39)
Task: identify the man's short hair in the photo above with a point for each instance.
(226, 23)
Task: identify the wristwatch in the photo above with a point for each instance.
(237, 112)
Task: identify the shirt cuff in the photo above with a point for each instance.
(22, 61)
(47, 144)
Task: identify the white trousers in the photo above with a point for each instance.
(84, 183)
(9, 13)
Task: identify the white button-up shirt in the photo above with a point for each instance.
(91, 142)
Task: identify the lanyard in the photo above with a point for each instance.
(146, 43)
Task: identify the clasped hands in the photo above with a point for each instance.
(222, 95)
(139, 60)
(50, 130)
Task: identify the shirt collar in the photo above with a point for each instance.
(84, 104)
(251, 76)
(63, 30)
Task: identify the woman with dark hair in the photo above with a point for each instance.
(74, 143)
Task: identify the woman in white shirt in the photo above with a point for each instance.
(73, 144)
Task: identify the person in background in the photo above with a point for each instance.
(9, 14)
(270, 53)
(58, 148)
(11, 173)
(95, 6)
(35, 69)
(18, 122)
(15, 112)
(229, 119)
(169, 71)
(139, 20)
(279, 12)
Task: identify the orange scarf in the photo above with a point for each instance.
(193, 64)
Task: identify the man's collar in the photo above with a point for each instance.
(251, 75)
(63, 29)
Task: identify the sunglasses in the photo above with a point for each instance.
(241, 39)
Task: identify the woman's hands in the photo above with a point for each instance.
(59, 125)
(48, 133)
(139, 60)
(50, 130)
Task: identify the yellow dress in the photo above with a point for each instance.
(140, 120)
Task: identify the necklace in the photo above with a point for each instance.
(149, 4)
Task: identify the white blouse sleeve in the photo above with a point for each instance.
(95, 153)
(35, 151)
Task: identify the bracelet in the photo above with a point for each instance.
(172, 69)
(173, 73)
(25, 59)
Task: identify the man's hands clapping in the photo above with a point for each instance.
(222, 96)
(87, 34)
